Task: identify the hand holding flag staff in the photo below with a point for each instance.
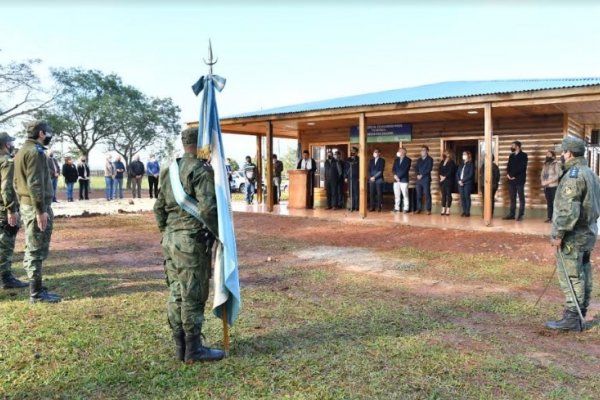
(227, 300)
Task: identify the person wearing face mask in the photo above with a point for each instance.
(400, 169)
(54, 167)
(550, 176)
(333, 177)
(423, 184)
(516, 173)
(351, 175)
(376, 168)
(109, 177)
(447, 171)
(574, 233)
(464, 176)
(9, 214)
(83, 170)
(69, 172)
(340, 183)
(34, 189)
(153, 171)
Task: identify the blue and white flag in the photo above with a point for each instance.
(210, 146)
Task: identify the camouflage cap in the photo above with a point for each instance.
(572, 144)
(189, 136)
(5, 138)
(35, 126)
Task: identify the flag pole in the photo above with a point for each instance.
(225, 329)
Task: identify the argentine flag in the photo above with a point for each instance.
(210, 146)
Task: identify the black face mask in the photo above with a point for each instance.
(330, 156)
(562, 159)
(549, 159)
(47, 140)
(513, 149)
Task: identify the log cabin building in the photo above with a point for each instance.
(481, 116)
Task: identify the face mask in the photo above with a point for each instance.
(443, 156)
(11, 149)
(375, 155)
(562, 159)
(465, 158)
(398, 154)
(513, 149)
(47, 139)
(352, 154)
(329, 156)
(549, 159)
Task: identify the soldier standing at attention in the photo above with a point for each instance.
(574, 232)
(34, 189)
(9, 213)
(187, 240)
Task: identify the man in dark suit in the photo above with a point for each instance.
(339, 200)
(376, 168)
(352, 175)
(423, 184)
(308, 163)
(400, 169)
(333, 176)
(516, 173)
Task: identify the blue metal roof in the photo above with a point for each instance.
(436, 91)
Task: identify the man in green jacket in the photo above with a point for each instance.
(574, 232)
(9, 213)
(187, 242)
(33, 184)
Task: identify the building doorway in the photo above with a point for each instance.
(319, 153)
(456, 148)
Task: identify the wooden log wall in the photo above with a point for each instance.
(537, 135)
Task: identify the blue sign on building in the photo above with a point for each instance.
(384, 133)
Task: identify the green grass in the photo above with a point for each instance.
(307, 331)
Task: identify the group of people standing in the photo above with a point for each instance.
(114, 172)
(72, 174)
(453, 175)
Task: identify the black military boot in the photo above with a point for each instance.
(179, 345)
(38, 293)
(195, 352)
(10, 282)
(569, 322)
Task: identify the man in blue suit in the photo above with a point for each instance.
(423, 184)
(376, 167)
(400, 169)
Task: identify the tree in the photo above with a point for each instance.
(20, 91)
(141, 123)
(234, 164)
(84, 110)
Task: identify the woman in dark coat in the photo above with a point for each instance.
(69, 171)
(446, 171)
(465, 177)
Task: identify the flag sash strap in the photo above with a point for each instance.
(185, 201)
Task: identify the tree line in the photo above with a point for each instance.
(88, 108)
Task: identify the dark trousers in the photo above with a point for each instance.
(465, 197)
(376, 194)
(311, 191)
(423, 188)
(353, 189)
(84, 187)
(494, 190)
(550, 193)
(446, 189)
(515, 189)
(332, 193)
(340, 194)
(153, 184)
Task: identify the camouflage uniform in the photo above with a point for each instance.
(576, 210)
(8, 204)
(34, 189)
(185, 246)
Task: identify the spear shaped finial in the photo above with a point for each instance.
(210, 61)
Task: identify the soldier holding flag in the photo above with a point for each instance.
(187, 240)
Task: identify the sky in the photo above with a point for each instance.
(276, 53)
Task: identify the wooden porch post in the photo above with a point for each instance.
(259, 193)
(487, 189)
(362, 165)
(269, 183)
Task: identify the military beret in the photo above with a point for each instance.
(5, 138)
(189, 136)
(35, 126)
(572, 144)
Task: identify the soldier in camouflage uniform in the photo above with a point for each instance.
(34, 189)
(186, 244)
(9, 213)
(574, 231)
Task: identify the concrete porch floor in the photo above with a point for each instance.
(530, 226)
